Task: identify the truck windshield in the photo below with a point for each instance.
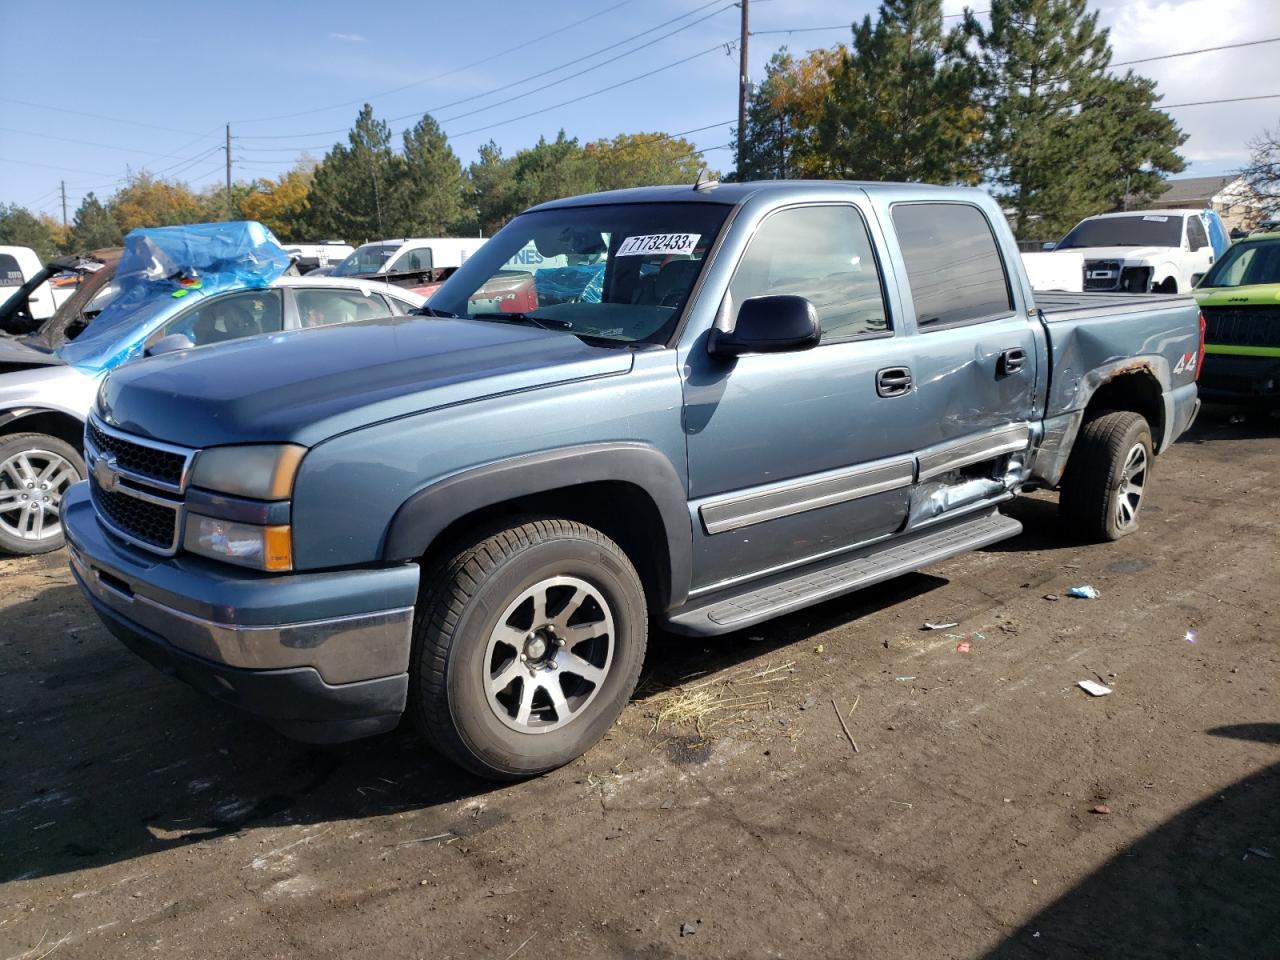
(366, 259)
(1245, 265)
(615, 272)
(1140, 230)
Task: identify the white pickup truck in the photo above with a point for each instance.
(1141, 251)
(18, 267)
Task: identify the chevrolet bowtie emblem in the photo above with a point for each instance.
(104, 471)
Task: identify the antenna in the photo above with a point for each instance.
(705, 182)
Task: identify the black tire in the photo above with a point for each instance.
(1168, 285)
(459, 609)
(40, 449)
(1094, 483)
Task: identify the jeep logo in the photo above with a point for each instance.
(105, 473)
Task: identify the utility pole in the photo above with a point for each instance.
(228, 170)
(64, 203)
(742, 85)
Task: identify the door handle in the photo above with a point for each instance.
(893, 381)
(1011, 361)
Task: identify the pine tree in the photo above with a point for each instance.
(1064, 139)
(349, 195)
(491, 191)
(427, 197)
(902, 101)
(94, 226)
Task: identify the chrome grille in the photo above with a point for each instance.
(1242, 326)
(137, 485)
(145, 522)
(152, 463)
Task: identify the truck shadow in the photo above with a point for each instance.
(108, 760)
(1201, 884)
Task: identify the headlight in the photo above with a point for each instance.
(250, 545)
(261, 471)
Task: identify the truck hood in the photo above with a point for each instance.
(1127, 254)
(1254, 295)
(308, 385)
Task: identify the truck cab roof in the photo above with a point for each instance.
(734, 193)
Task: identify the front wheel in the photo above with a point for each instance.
(527, 646)
(1106, 480)
(35, 472)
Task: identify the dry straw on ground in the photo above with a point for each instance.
(718, 700)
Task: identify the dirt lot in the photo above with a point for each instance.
(138, 818)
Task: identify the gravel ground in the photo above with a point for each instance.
(138, 818)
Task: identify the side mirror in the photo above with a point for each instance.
(1051, 245)
(173, 342)
(778, 324)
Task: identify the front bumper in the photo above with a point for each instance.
(322, 657)
(1240, 379)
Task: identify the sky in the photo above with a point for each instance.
(152, 89)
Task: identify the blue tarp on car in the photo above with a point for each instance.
(162, 270)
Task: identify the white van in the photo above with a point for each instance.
(439, 255)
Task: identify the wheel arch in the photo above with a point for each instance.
(629, 491)
(55, 423)
(1133, 387)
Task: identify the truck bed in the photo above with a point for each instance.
(1058, 306)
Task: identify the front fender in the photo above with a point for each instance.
(428, 512)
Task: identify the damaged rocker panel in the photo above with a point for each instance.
(970, 451)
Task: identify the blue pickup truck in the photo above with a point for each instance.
(776, 393)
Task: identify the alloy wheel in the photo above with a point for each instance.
(32, 483)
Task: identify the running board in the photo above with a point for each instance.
(811, 585)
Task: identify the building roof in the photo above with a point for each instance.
(1189, 191)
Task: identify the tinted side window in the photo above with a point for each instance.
(823, 254)
(419, 258)
(227, 318)
(953, 266)
(1195, 233)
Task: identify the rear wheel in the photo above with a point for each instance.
(528, 645)
(1106, 480)
(35, 472)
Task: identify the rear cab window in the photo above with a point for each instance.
(954, 267)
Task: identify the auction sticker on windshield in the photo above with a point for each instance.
(671, 244)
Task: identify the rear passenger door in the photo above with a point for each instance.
(975, 350)
(793, 456)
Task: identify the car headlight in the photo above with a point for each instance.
(260, 472)
(246, 544)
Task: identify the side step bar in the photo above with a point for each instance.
(725, 613)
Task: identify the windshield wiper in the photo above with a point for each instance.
(544, 323)
(426, 311)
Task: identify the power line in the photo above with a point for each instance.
(96, 116)
(489, 58)
(1202, 103)
(573, 76)
(50, 166)
(727, 45)
(513, 83)
(86, 143)
(847, 26)
(1187, 53)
